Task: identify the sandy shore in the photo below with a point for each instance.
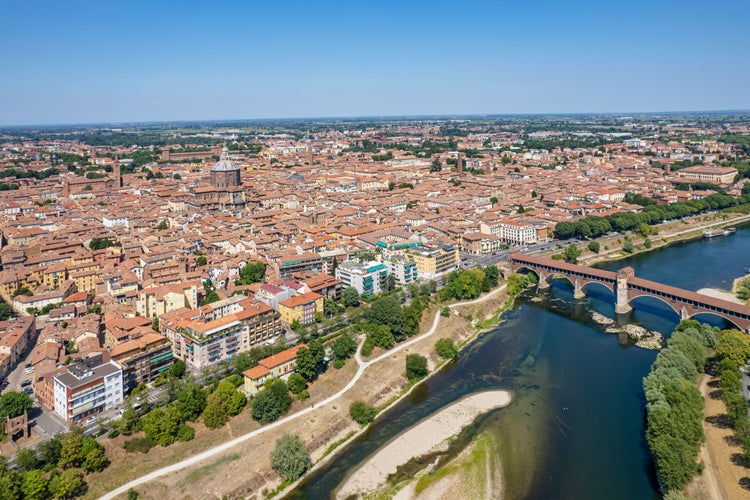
(719, 294)
(420, 440)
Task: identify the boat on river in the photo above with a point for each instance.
(718, 232)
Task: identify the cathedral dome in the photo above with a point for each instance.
(225, 163)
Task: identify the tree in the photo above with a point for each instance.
(95, 460)
(252, 272)
(594, 246)
(344, 346)
(23, 291)
(210, 298)
(162, 225)
(416, 367)
(49, 451)
(572, 252)
(296, 383)
(71, 454)
(26, 459)
(227, 396)
(290, 458)
(201, 261)
(732, 344)
(68, 484)
(6, 311)
(132, 494)
(34, 486)
(10, 485)
(493, 200)
(177, 370)
(380, 336)
(14, 404)
(191, 400)
(214, 415)
(362, 413)
(446, 349)
(350, 297)
(387, 311)
(627, 246)
(272, 402)
(162, 426)
(436, 166)
(155, 324)
(306, 365)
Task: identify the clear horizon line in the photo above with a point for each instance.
(373, 117)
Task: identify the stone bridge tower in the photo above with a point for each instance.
(622, 305)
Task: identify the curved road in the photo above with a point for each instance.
(234, 442)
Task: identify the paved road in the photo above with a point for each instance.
(362, 366)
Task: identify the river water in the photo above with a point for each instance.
(575, 429)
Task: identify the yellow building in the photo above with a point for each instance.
(433, 261)
(302, 308)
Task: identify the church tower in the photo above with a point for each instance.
(225, 174)
(116, 171)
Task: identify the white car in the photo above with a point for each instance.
(91, 420)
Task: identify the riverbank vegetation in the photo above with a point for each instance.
(732, 352)
(674, 405)
(595, 226)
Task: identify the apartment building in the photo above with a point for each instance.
(87, 388)
(436, 260)
(367, 278)
(201, 337)
(301, 308)
(402, 269)
(143, 359)
(16, 335)
(158, 300)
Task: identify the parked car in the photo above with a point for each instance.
(91, 420)
(5, 383)
(28, 391)
(26, 383)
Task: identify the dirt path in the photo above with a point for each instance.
(362, 366)
(721, 477)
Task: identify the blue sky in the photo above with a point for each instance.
(109, 61)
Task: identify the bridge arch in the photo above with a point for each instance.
(677, 311)
(717, 314)
(607, 286)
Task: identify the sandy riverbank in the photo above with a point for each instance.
(720, 294)
(420, 439)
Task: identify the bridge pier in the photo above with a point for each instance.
(578, 292)
(684, 314)
(543, 283)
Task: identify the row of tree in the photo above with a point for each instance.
(733, 350)
(674, 405)
(594, 226)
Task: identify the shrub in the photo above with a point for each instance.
(362, 413)
(139, 444)
(446, 349)
(416, 367)
(290, 458)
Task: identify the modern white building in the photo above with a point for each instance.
(367, 278)
(87, 388)
(403, 270)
